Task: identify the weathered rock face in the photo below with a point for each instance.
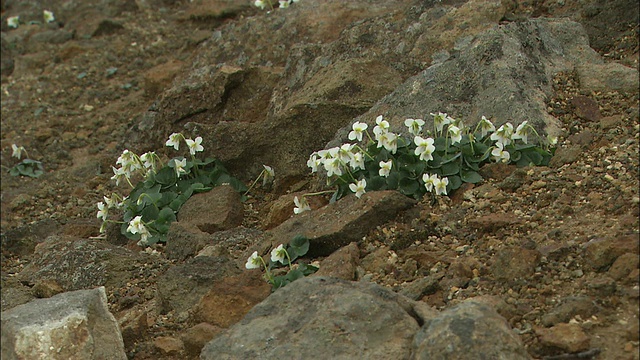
(74, 325)
(322, 317)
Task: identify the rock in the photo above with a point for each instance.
(23, 240)
(341, 264)
(420, 287)
(319, 317)
(623, 266)
(586, 108)
(168, 345)
(342, 222)
(492, 222)
(71, 325)
(608, 77)
(569, 307)
(230, 299)
(81, 263)
(470, 327)
(600, 253)
(6, 61)
(160, 76)
(584, 138)
(282, 209)
(215, 210)
(184, 241)
(514, 263)
(46, 288)
(565, 155)
(196, 337)
(184, 285)
(567, 337)
(133, 324)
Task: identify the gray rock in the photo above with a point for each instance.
(82, 263)
(75, 325)
(327, 318)
(470, 330)
(341, 222)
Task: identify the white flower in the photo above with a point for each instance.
(174, 140)
(148, 160)
(344, 153)
(254, 261)
(136, 225)
(440, 120)
(522, 131)
(313, 162)
(499, 154)
(358, 129)
(301, 205)
(278, 254)
(260, 3)
(429, 181)
(269, 175)
(194, 146)
(424, 148)
(284, 4)
(357, 161)
(359, 187)
(110, 202)
(119, 174)
(486, 126)
(333, 166)
(389, 140)
(441, 186)
(180, 166)
(414, 125)
(456, 134)
(17, 151)
(553, 140)
(503, 134)
(126, 159)
(13, 21)
(382, 126)
(385, 168)
(103, 211)
(48, 16)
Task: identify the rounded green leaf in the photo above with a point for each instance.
(470, 176)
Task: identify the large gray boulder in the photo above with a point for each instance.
(75, 325)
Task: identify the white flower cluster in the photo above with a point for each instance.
(262, 4)
(14, 21)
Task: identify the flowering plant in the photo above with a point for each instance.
(298, 246)
(26, 167)
(283, 4)
(152, 204)
(435, 160)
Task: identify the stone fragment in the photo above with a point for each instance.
(342, 222)
(569, 307)
(600, 253)
(514, 263)
(168, 345)
(585, 108)
(160, 76)
(196, 337)
(341, 264)
(470, 327)
(493, 222)
(75, 325)
(215, 210)
(567, 337)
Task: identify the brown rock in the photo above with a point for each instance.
(341, 264)
(513, 263)
(168, 345)
(160, 76)
(197, 336)
(600, 253)
(282, 209)
(493, 222)
(229, 300)
(134, 324)
(216, 210)
(46, 288)
(586, 108)
(342, 222)
(623, 266)
(570, 307)
(568, 337)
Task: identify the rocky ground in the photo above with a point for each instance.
(72, 89)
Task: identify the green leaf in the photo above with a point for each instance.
(454, 183)
(450, 169)
(409, 186)
(470, 176)
(376, 183)
(298, 246)
(166, 176)
(294, 275)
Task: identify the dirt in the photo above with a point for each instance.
(70, 105)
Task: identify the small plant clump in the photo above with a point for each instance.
(437, 160)
(282, 4)
(27, 167)
(281, 256)
(152, 204)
